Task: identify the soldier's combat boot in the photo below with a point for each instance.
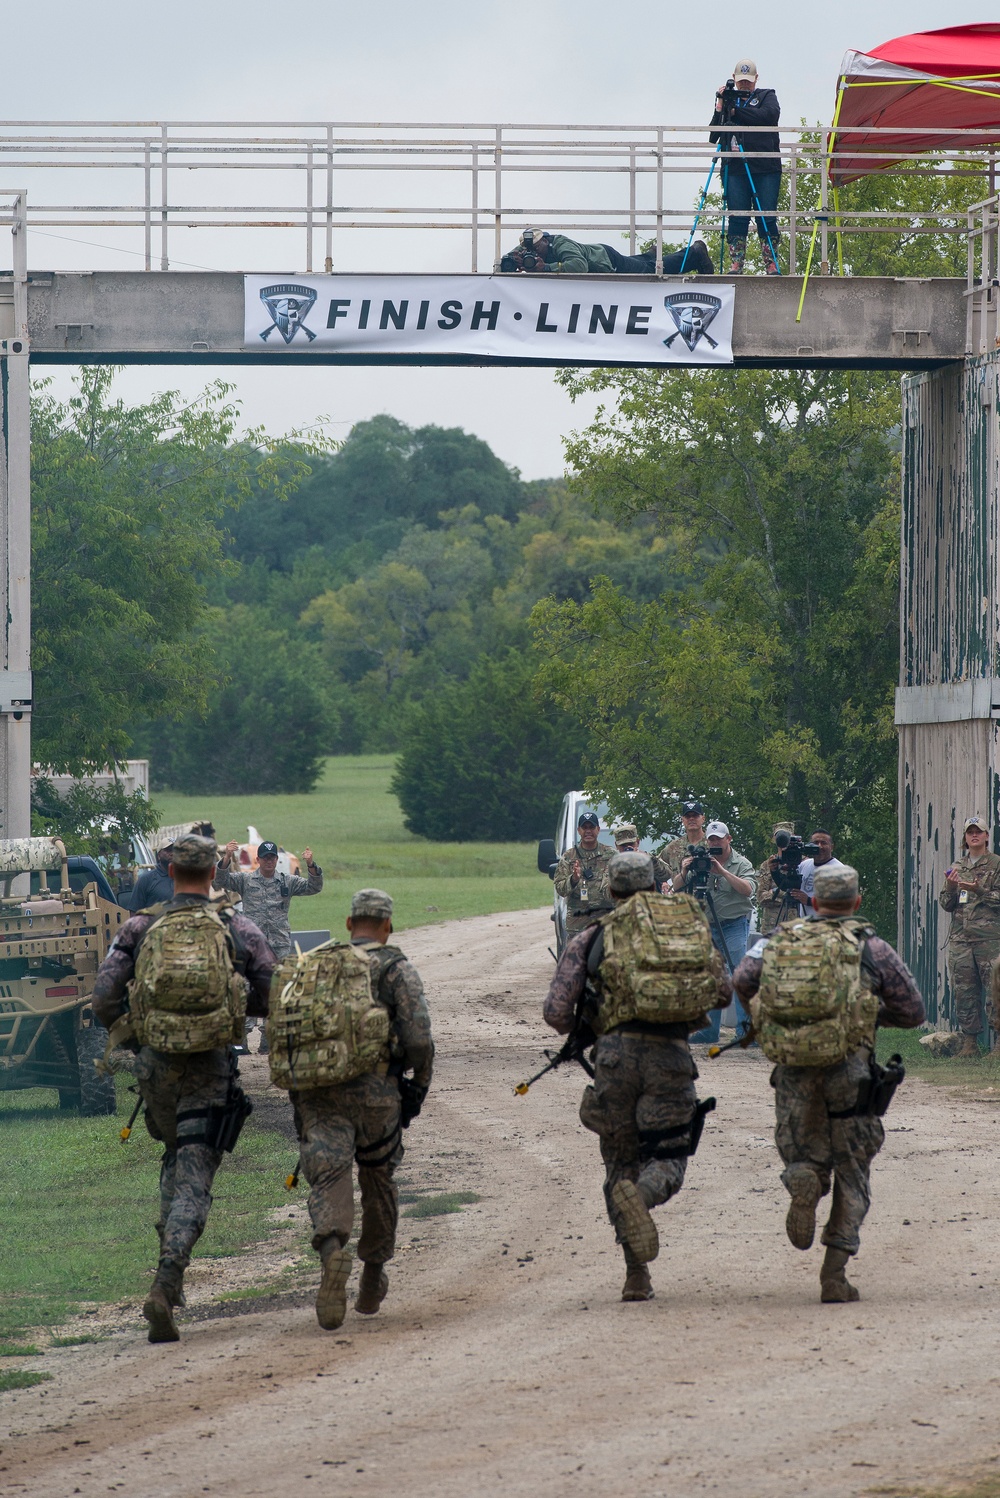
(638, 1228)
(372, 1290)
(737, 256)
(834, 1286)
(969, 1047)
(638, 1285)
(800, 1224)
(331, 1297)
(164, 1294)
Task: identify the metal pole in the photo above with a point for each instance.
(659, 202)
(631, 201)
(328, 264)
(475, 209)
(147, 215)
(793, 202)
(824, 196)
(309, 209)
(497, 151)
(164, 262)
(15, 553)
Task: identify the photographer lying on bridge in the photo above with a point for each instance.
(541, 251)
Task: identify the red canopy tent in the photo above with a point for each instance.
(939, 89)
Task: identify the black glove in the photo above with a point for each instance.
(411, 1100)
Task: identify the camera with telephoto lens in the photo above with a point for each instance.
(728, 102)
(785, 869)
(698, 870)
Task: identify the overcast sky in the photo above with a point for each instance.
(585, 63)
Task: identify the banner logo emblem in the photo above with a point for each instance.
(289, 306)
(693, 313)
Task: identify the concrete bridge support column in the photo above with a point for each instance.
(15, 590)
(948, 702)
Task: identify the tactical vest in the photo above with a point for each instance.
(813, 1007)
(186, 995)
(657, 964)
(325, 1024)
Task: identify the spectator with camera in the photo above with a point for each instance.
(751, 180)
(772, 900)
(727, 887)
(675, 852)
(540, 250)
(822, 859)
(627, 841)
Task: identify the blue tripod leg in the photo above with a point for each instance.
(701, 206)
(725, 214)
(760, 212)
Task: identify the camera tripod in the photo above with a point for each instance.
(704, 897)
(788, 906)
(728, 95)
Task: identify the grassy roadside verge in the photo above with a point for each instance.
(77, 1208)
(982, 1075)
(354, 826)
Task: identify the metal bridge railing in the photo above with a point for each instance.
(983, 285)
(331, 185)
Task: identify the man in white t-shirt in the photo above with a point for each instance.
(807, 870)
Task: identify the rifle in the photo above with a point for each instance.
(579, 1040)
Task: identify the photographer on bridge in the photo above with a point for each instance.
(727, 886)
(750, 181)
(540, 250)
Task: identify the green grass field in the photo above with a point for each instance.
(354, 826)
(77, 1208)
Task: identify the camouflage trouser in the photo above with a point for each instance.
(176, 1091)
(808, 1139)
(359, 1121)
(970, 964)
(643, 1086)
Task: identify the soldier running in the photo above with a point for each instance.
(817, 989)
(175, 985)
(972, 895)
(360, 1119)
(642, 1104)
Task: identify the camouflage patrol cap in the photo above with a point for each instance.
(835, 884)
(372, 905)
(626, 833)
(629, 872)
(783, 827)
(195, 853)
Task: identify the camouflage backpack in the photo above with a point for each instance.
(186, 995)
(657, 962)
(812, 1008)
(325, 1024)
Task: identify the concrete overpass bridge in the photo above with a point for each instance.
(942, 335)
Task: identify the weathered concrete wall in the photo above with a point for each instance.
(948, 704)
(196, 317)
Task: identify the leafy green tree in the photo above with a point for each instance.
(766, 684)
(91, 818)
(486, 758)
(126, 545)
(269, 720)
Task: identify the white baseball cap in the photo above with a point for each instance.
(716, 829)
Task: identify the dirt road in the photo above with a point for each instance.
(504, 1362)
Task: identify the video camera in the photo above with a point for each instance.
(728, 102)
(785, 868)
(698, 870)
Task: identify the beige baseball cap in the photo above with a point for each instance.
(745, 68)
(976, 821)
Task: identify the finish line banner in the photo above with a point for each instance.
(583, 320)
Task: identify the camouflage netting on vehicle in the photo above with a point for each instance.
(813, 1008)
(657, 962)
(186, 995)
(21, 855)
(325, 1025)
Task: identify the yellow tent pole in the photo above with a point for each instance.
(836, 190)
(809, 261)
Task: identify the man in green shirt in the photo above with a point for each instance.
(540, 250)
(732, 885)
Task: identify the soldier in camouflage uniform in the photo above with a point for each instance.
(642, 1103)
(586, 897)
(267, 895)
(674, 853)
(820, 1135)
(972, 894)
(770, 899)
(362, 1121)
(179, 1090)
(627, 841)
